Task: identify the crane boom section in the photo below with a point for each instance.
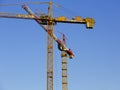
(62, 19)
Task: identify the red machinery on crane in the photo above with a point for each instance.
(69, 51)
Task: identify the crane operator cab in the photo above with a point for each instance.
(43, 18)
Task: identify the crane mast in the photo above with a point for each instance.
(50, 50)
(64, 57)
(47, 22)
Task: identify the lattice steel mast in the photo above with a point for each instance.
(64, 57)
(50, 50)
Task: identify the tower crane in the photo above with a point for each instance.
(47, 22)
(64, 57)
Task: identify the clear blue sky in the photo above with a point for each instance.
(96, 65)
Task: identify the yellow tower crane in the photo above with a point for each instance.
(47, 22)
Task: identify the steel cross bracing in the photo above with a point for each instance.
(47, 22)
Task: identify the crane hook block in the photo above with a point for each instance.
(89, 23)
